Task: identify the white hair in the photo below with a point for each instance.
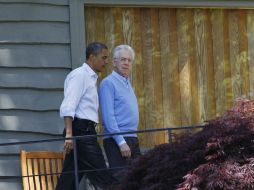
(118, 49)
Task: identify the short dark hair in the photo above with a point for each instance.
(94, 48)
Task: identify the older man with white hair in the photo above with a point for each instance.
(119, 109)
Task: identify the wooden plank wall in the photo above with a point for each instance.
(34, 60)
(191, 64)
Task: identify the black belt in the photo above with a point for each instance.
(86, 121)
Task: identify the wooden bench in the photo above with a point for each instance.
(38, 165)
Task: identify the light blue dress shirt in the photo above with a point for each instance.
(119, 107)
(80, 94)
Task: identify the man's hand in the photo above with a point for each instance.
(68, 145)
(125, 150)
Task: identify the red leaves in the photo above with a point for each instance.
(220, 157)
(229, 175)
(229, 152)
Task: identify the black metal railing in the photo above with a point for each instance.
(75, 138)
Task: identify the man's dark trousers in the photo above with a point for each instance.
(89, 156)
(115, 158)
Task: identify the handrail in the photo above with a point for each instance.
(102, 135)
(75, 138)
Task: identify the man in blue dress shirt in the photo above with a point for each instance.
(80, 112)
(119, 109)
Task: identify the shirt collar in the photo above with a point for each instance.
(90, 71)
(120, 77)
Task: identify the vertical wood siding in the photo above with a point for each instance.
(191, 64)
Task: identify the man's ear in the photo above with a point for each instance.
(114, 63)
(91, 56)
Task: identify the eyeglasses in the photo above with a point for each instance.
(124, 60)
